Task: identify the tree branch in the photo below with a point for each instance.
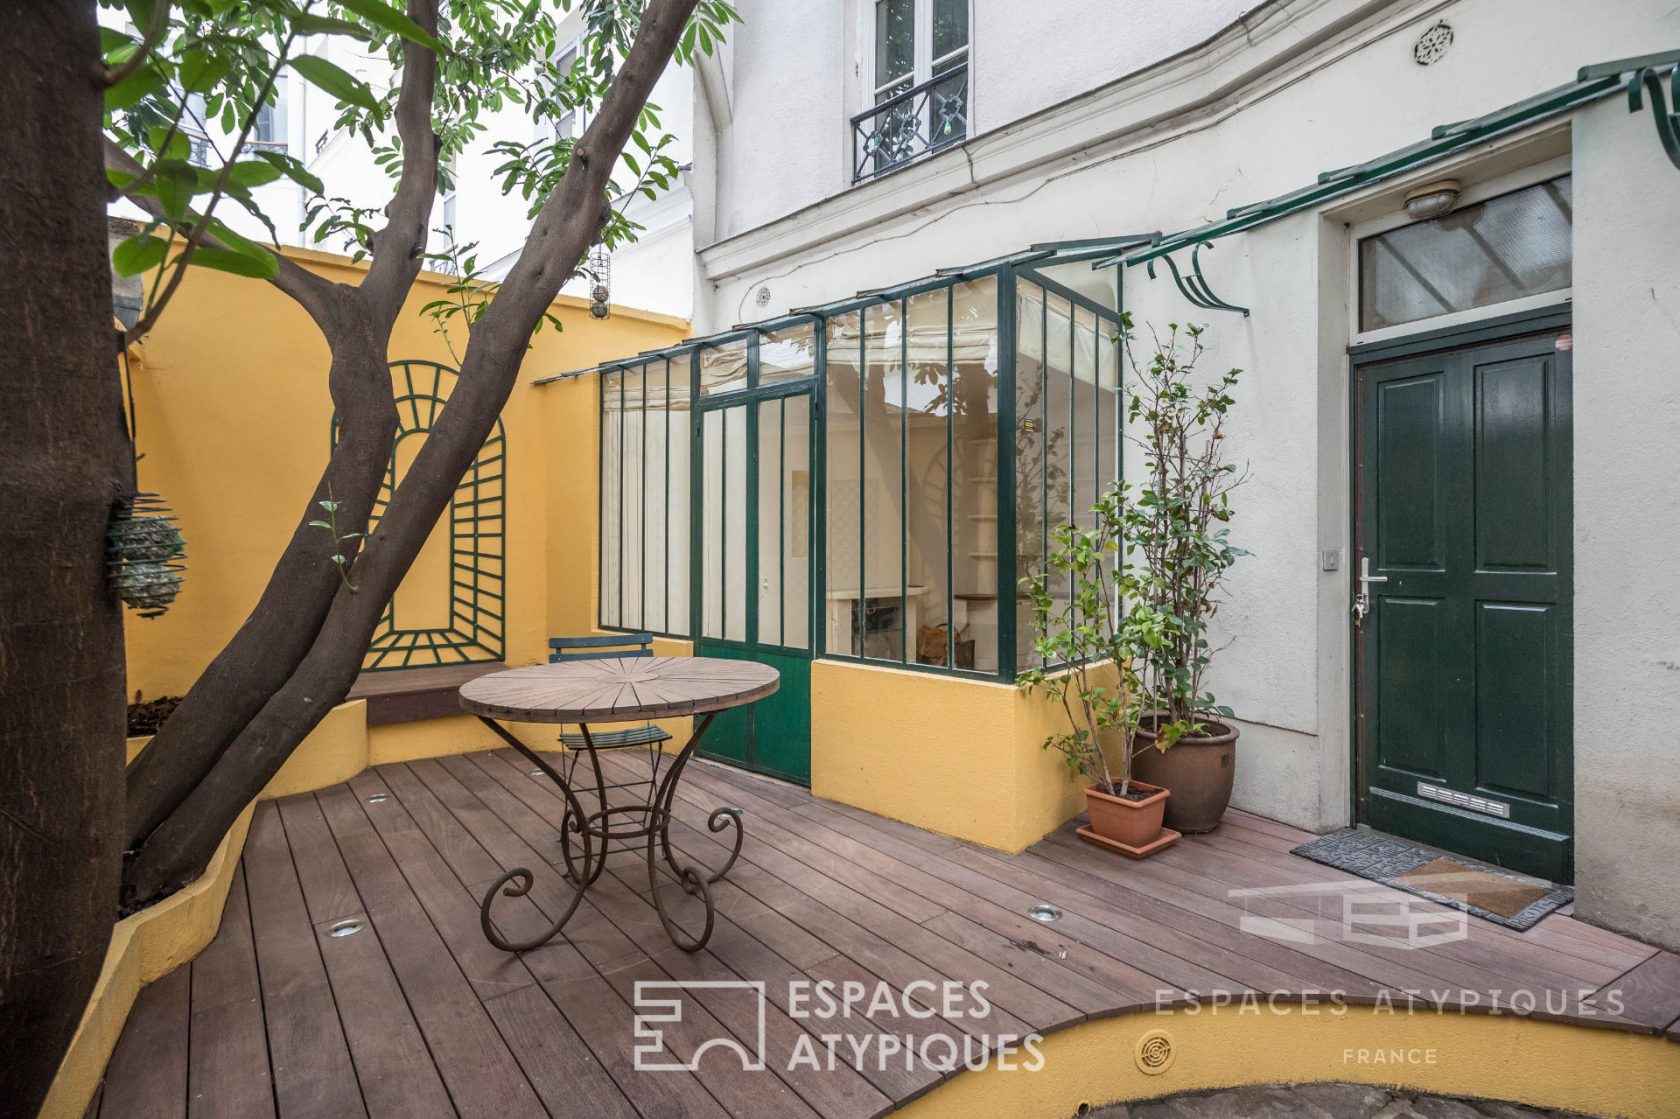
(397, 247)
(109, 76)
(319, 296)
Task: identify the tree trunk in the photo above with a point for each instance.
(262, 655)
(177, 850)
(63, 465)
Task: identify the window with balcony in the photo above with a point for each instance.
(918, 84)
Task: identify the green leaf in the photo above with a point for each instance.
(140, 253)
(253, 172)
(201, 71)
(350, 90)
(383, 15)
(176, 182)
(295, 170)
(319, 524)
(127, 93)
(261, 267)
(307, 24)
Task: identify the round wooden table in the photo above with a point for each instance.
(617, 690)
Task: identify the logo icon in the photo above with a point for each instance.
(659, 1005)
(1349, 913)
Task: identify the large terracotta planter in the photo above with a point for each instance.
(1198, 770)
(1130, 823)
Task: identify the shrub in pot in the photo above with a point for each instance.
(1175, 531)
(1088, 645)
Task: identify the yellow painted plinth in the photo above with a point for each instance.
(1599, 1071)
(950, 755)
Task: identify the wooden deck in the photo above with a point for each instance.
(417, 1015)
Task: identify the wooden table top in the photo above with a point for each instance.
(616, 690)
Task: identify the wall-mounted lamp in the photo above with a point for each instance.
(1433, 201)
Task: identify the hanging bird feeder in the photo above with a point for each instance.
(145, 550)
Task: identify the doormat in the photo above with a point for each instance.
(1504, 897)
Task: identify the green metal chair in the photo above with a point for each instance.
(615, 646)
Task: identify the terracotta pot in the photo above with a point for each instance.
(1198, 770)
(1131, 822)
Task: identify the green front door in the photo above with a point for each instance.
(1463, 641)
(753, 594)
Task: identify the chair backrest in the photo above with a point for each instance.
(614, 645)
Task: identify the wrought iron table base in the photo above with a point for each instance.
(653, 824)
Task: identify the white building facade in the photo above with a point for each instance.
(1481, 410)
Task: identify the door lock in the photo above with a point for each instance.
(1362, 600)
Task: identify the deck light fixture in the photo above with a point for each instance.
(344, 928)
(379, 798)
(1044, 912)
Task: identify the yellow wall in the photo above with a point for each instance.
(956, 756)
(234, 419)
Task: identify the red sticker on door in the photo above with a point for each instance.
(1566, 341)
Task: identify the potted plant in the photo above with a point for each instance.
(1175, 529)
(1088, 647)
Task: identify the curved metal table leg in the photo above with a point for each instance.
(517, 882)
(720, 818)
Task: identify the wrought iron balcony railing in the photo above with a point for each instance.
(922, 119)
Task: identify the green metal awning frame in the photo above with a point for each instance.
(1040, 255)
(1590, 84)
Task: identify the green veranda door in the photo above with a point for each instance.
(1464, 656)
(753, 512)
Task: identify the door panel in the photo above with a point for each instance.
(1412, 738)
(1463, 689)
(755, 578)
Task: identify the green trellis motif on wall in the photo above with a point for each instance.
(477, 538)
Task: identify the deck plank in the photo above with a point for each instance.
(147, 1076)
(476, 1065)
(227, 1063)
(313, 1074)
(393, 1066)
(1649, 993)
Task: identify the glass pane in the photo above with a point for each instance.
(1084, 417)
(1029, 456)
(974, 481)
(895, 40)
(1096, 284)
(723, 368)
(678, 417)
(950, 27)
(1505, 248)
(772, 528)
(796, 516)
(711, 575)
(733, 516)
(1058, 427)
(881, 598)
(787, 355)
(612, 473)
(633, 508)
(844, 499)
(928, 436)
(656, 500)
(1108, 405)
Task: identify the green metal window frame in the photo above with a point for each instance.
(477, 538)
(1005, 270)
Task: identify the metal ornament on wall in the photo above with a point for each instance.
(1645, 82)
(144, 550)
(1194, 286)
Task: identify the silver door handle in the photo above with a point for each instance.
(1365, 575)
